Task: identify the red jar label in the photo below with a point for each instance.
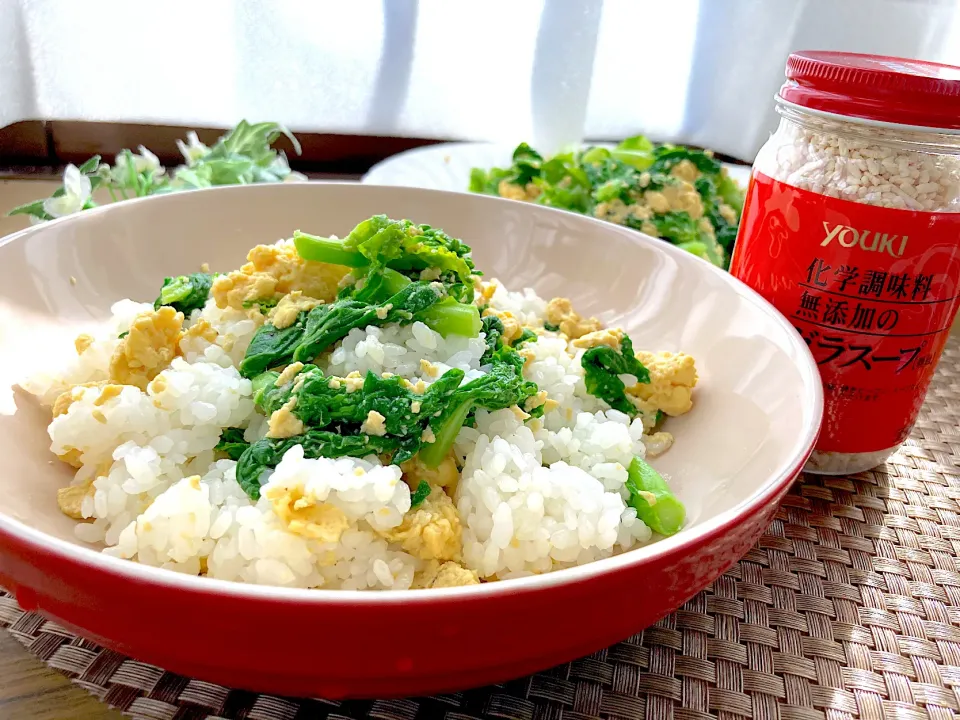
(872, 290)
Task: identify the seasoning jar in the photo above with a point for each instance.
(851, 228)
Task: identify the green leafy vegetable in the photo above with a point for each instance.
(449, 317)
(323, 401)
(637, 151)
(650, 496)
(272, 346)
(263, 303)
(603, 367)
(527, 162)
(328, 250)
(731, 193)
(420, 494)
(185, 293)
(502, 387)
(487, 181)
(667, 156)
(326, 324)
(379, 242)
(334, 415)
(492, 328)
(685, 232)
(726, 232)
(526, 336)
(232, 443)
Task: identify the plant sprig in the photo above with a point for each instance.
(244, 155)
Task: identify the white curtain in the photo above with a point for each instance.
(548, 71)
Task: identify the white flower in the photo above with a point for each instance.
(76, 188)
(145, 161)
(192, 150)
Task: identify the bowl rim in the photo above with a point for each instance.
(97, 561)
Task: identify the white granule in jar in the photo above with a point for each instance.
(862, 163)
(869, 164)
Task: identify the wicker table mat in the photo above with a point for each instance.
(849, 606)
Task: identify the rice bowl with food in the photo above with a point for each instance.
(366, 413)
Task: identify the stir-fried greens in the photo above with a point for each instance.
(185, 293)
(680, 194)
(604, 368)
(401, 272)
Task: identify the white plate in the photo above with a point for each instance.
(447, 166)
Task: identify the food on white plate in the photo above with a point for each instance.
(680, 194)
(364, 413)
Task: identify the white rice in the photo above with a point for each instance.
(533, 496)
(235, 330)
(401, 349)
(522, 516)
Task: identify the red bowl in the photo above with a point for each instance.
(756, 418)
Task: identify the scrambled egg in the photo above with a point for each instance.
(617, 211)
(531, 403)
(353, 381)
(685, 170)
(82, 342)
(201, 329)
(484, 289)
(611, 337)
(672, 379)
(560, 312)
(658, 443)
(445, 475)
(289, 372)
(283, 423)
(684, 197)
(511, 326)
(681, 196)
(419, 387)
(291, 305)
(303, 515)
(432, 531)
(65, 399)
(429, 369)
(449, 574)
(274, 270)
(70, 499)
(513, 191)
(149, 347)
(374, 424)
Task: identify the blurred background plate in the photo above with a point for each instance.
(447, 166)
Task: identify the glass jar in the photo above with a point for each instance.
(851, 228)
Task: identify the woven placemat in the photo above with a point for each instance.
(848, 607)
